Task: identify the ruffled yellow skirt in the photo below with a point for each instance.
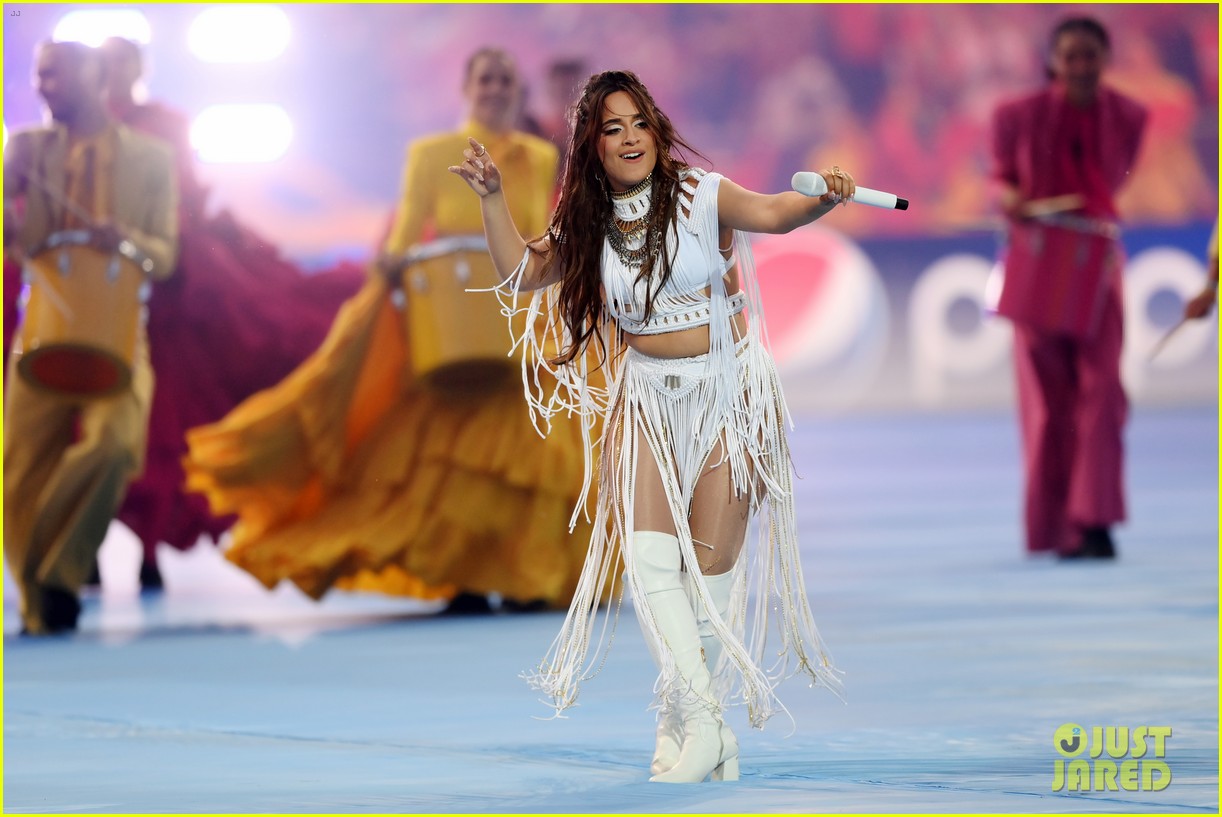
(352, 472)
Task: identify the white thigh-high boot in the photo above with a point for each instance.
(670, 725)
(705, 749)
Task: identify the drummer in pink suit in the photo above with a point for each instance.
(68, 460)
(1074, 137)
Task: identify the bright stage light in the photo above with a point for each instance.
(92, 26)
(239, 34)
(241, 133)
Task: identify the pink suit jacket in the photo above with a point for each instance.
(1056, 279)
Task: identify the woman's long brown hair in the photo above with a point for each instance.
(579, 223)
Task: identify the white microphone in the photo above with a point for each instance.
(812, 184)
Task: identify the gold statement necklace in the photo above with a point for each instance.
(628, 228)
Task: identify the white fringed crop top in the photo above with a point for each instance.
(696, 262)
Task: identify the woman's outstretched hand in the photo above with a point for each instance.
(478, 170)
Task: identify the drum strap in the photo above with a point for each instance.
(89, 182)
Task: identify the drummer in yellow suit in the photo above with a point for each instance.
(400, 457)
(68, 460)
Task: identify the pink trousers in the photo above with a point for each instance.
(1072, 410)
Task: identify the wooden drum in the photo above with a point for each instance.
(456, 339)
(81, 315)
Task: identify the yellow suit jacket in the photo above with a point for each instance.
(436, 203)
(145, 191)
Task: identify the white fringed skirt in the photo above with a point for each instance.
(722, 410)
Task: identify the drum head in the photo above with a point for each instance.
(73, 370)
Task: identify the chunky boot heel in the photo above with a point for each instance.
(727, 771)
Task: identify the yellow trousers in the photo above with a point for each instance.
(67, 464)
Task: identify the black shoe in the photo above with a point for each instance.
(531, 606)
(60, 610)
(1096, 544)
(150, 575)
(468, 604)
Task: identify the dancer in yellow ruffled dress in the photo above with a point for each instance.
(400, 457)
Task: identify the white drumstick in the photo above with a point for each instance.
(812, 184)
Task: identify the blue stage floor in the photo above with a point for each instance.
(961, 656)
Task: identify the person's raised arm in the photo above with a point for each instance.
(751, 212)
(505, 243)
